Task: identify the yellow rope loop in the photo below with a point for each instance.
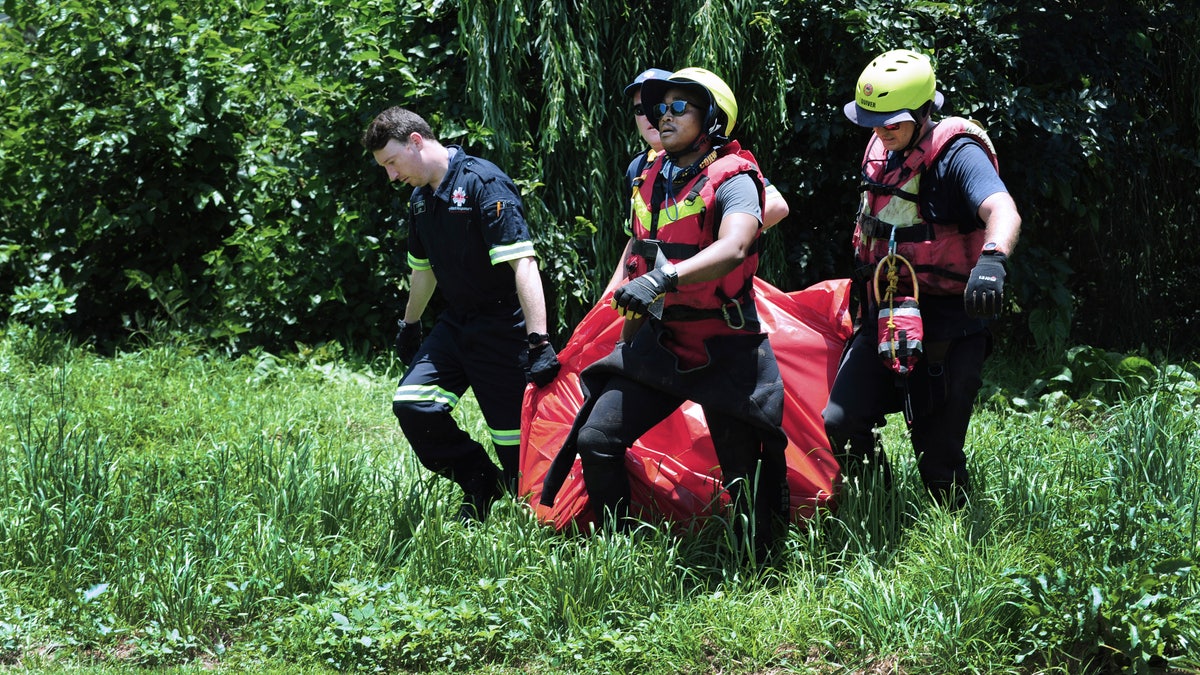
(893, 278)
(888, 298)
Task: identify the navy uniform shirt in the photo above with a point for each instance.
(468, 230)
(955, 186)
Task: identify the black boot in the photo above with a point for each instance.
(952, 495)
(608, 492)
(772, 517)
(481, 488)
(763, 510)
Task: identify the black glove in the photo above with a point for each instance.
(984, 296)
(408, 340)
(541, 364)
(634, 298)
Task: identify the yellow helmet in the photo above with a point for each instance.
(893, 88)
(722, 106)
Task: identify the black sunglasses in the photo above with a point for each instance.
(675, 107)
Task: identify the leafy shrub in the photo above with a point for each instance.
(192, 165)
(1093, 379)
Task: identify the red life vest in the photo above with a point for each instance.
(941, 253)
(681, 224)
(685, 224)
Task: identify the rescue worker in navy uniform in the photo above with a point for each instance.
(776, 206)
(691, 331)
(934, 187)
(469, 238)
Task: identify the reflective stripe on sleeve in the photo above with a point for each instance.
(418, 263)
(521, 249)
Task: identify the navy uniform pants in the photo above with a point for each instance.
(942, 394)
(479, 349)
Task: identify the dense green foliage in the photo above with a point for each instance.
(196, 164)
(170, 505)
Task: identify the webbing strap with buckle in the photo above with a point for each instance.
(735, 318)
(648, 249)
(879, 229)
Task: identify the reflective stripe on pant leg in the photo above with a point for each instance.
(425, 393)
(434, 435)
(424, 400)
(491, 349)
(507, 444)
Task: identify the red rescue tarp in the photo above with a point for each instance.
(674, 473)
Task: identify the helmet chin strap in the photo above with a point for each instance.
(694, 147)
(688, 172)
(921, 117)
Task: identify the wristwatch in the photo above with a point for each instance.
(536, 339)
(672, 276)
(991, 248)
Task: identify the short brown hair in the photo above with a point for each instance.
(397, 123)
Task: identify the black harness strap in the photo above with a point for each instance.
(878, 229)
(648, 250)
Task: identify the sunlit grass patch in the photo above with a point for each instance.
(181, 509)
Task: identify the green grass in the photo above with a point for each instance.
(177, 509)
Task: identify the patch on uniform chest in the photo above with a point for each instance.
(458, 200)
(419, 207)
